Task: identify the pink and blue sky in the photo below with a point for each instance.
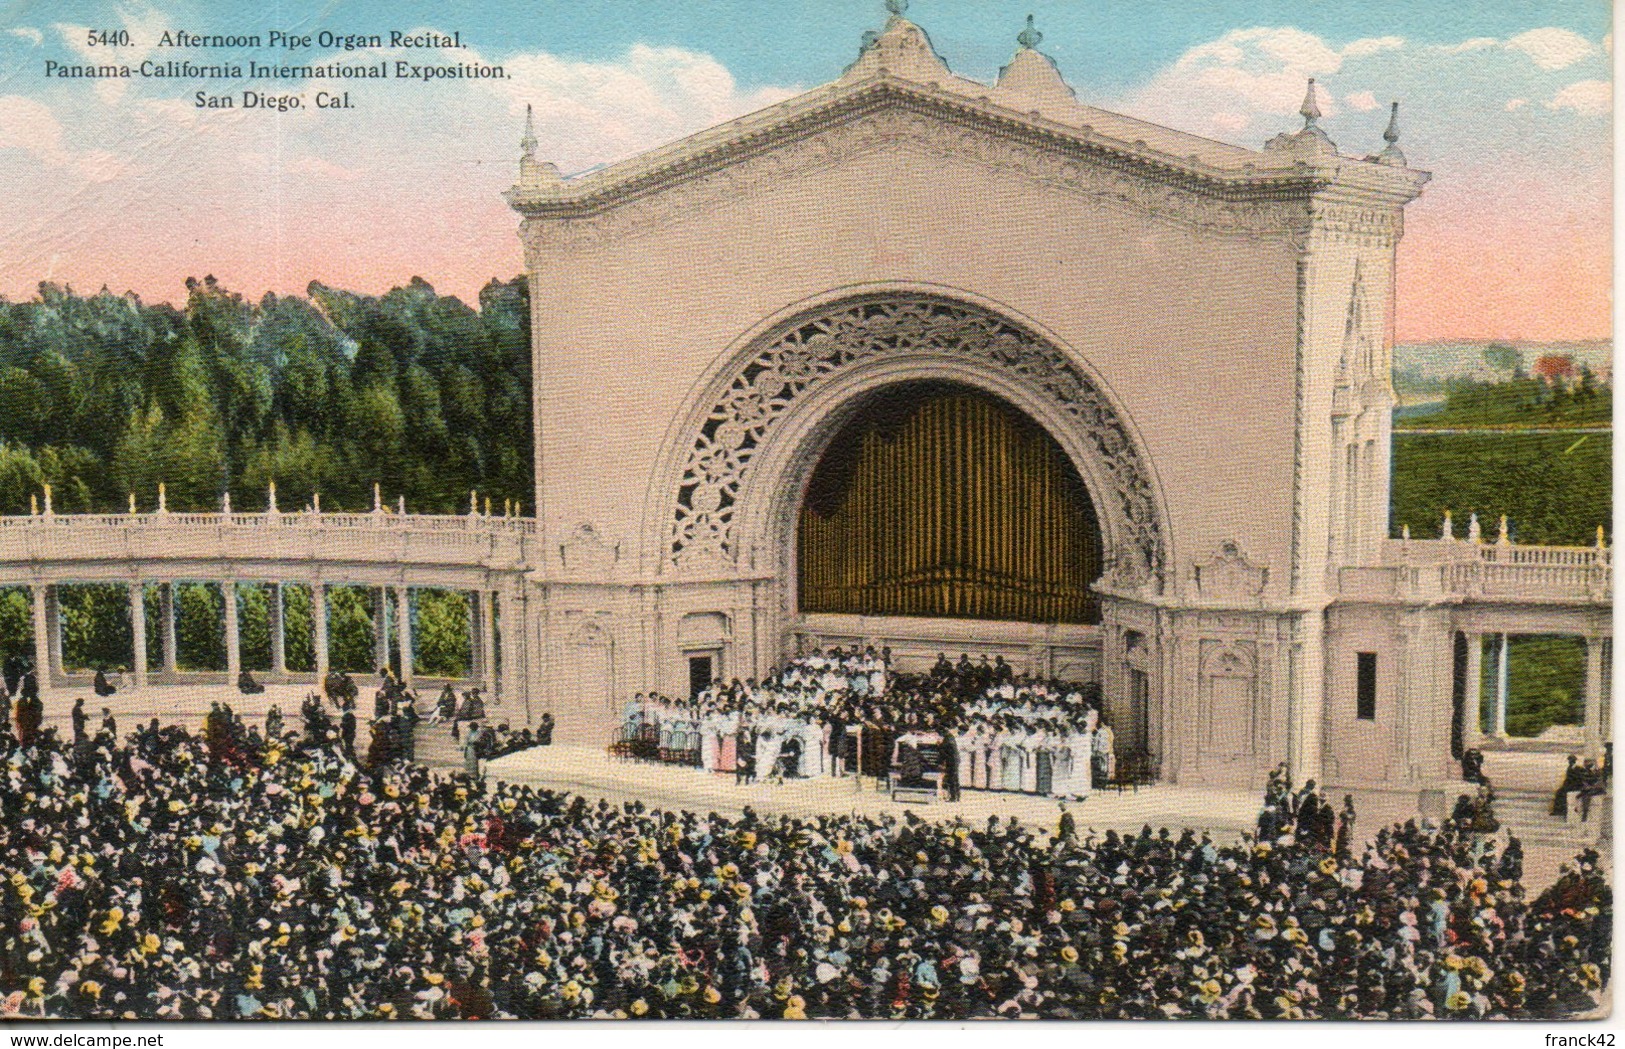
(126, 184)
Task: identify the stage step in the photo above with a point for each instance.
(1528, 815)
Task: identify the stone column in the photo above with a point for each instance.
(53, 634)
(279, 641)
(138, 633)
(403, 631)
(380, 629)
(166, 626)
(1306, 710)
(42, 635)
(510, 664)
(234, 653)
(1473, 694)
(318, 624)
(488, 640)
(1593, 696)
(1501, 689)
(476, 636)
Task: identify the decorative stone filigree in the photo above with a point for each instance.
(1228, 659)
(810, 351)
(587, 550)
(1228, 574)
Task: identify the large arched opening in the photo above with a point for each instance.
(939, 499)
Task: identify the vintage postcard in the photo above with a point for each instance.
(806, 509)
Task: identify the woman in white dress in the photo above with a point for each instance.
(769, 741)
(1032, 740)
(1105, 754)
(1060, 757)
(1010, 756)
(1082, 781)
(965, 745)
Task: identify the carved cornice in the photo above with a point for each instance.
(1255, 200)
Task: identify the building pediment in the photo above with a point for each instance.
(899, 91)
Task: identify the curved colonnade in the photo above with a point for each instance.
(391, 555)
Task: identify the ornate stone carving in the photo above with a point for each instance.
(590, 630)
(1368, 226)
(1228, 659)
(1228, 574)
(1272, 205)
(809, 351)
(588, 551)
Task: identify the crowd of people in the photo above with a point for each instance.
(170, 875)
(845, 712)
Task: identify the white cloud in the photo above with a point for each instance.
(1551, 47)
(1587, 97)
(1372, 45)
(145, 24)
(30, 125)
(1363, 101)
(1248, 72)
(1246, 85)
(1477, 43)
(28, 33)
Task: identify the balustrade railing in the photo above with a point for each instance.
(1501, 570)
(307, 534)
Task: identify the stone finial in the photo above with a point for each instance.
(1503, 538)
(900, 49)
(47, 500)
(377, 498)
(1311, 139)
(1391, 154)
(316, 502)
(225, 503)
(163, 498)
(270, 498)
(400, 504)
(132, 503)
(527, 143)
(487, 506)
(1602, 538)
(535, 175)
(1030, 37)
(1447, 530)
(1405, 532)
(473, 503)
(33, 503)
(1310, 110)
(1475, 534)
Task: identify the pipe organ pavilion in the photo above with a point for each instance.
(914, 361)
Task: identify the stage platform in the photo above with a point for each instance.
(594, 774)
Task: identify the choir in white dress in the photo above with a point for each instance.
(811, 719)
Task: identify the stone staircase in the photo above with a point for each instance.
(436, 748)
(1524, 782)
(1528, 815)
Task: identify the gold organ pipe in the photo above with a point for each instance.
(953, 504)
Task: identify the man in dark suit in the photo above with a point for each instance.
(347, 730)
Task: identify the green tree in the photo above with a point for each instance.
(440, 633)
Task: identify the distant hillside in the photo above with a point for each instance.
(1422, 370)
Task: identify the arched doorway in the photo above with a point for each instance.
(938, 499)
